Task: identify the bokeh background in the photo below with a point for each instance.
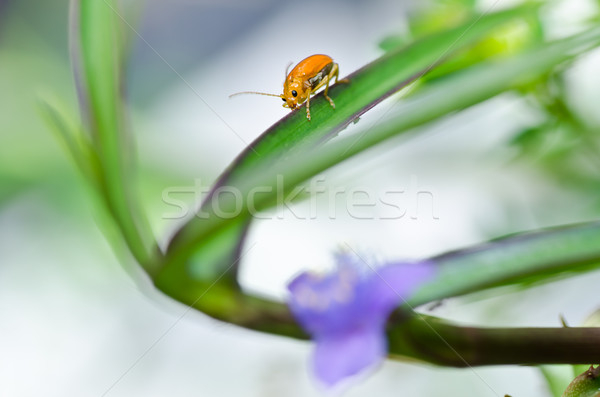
(76, 321)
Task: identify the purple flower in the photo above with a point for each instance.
(346, 312)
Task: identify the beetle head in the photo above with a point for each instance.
(293, 95)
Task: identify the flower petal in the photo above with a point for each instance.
(339, 357)
(345, 312)
(397, 281)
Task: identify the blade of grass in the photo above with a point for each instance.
(368, 86)
(518, 259)
(97, 50)
(453, 93)
(73, 140)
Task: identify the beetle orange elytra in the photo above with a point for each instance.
(309, 75)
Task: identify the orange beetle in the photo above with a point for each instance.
(304, 80)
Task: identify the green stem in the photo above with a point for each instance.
(420, 337)
(438, 342)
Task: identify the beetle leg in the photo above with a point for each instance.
(324, 82)
(327, 84)
(308, 92)
(335, 72)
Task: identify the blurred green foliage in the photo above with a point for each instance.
(33, 61)
(504, 41)
(564, 144)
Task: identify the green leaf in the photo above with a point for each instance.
(454, 93)
(586, 384)
(523, 258)
(70, 135)
(295, 134)
(97, 43)
(367, 87)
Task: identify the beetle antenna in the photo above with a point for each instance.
(253, 92)
(287, 69)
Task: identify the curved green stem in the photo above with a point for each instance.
(419, 337)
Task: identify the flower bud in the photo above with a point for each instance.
(585, 385)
